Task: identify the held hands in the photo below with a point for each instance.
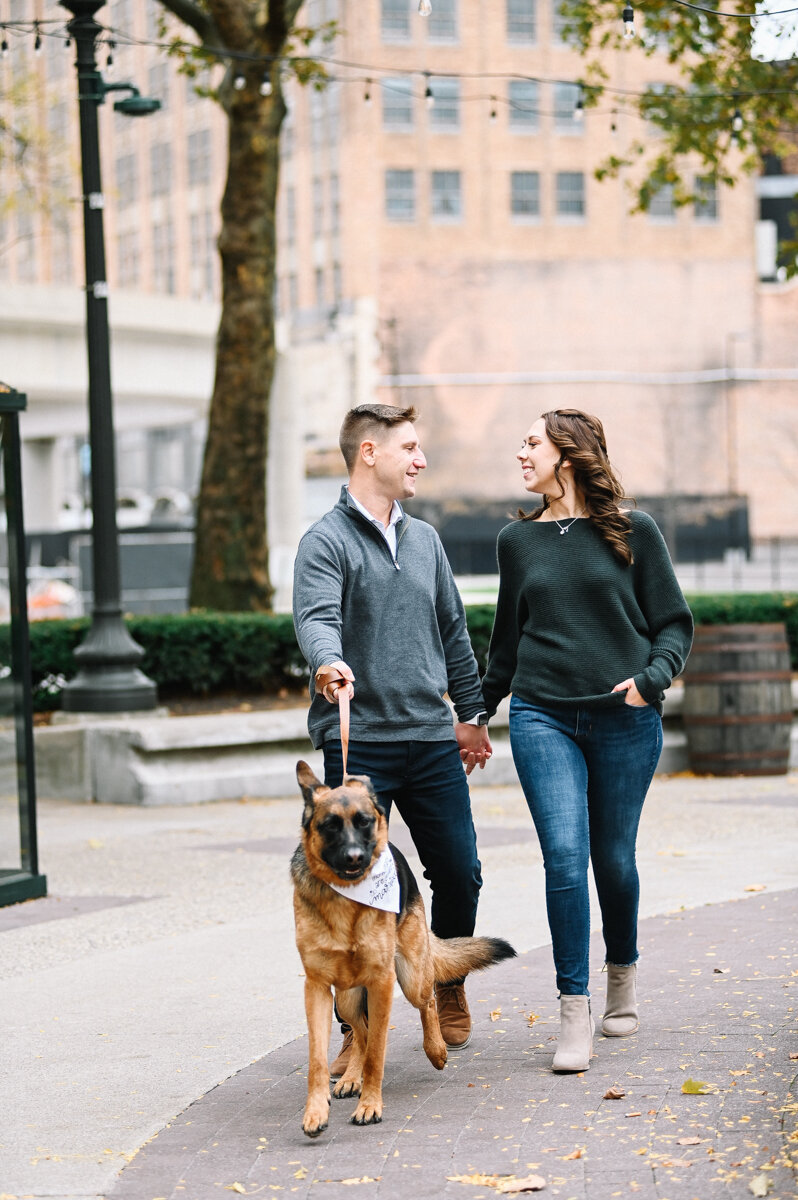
(332, 674)
(474, 743)
(633, 697)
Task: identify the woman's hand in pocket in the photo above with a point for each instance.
(633, 697)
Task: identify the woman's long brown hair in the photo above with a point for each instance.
(580, 439)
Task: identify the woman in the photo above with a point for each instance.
(591, 627)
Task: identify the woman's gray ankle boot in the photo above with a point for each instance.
(575, 1043)
(620, 1010)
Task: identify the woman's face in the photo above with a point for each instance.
(538, 457)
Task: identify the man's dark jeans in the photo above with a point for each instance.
(427, 783)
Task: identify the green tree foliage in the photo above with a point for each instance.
(732, 100)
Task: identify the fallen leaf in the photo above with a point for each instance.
(632, 1114)
(794, 1055)
(236, 1187)
(361, 1179)
(531, 1018)
(614, 1093)
(574, 1154)
(95, 844)
(677, 1162)
(301, 1173)
(688, 1141)
(495, 1013)
(720, 970)
(755, 887)
(530, 1183)
(695, 1087)
(759, 1186)
(477, 1179)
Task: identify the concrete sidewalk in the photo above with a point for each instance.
(163, 964)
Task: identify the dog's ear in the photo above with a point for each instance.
(366, 783)
(308, 784)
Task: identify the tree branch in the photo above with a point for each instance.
(192, 15)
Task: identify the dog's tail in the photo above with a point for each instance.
(453, 958)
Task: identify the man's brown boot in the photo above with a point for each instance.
(453, 1015)
(339, 1064)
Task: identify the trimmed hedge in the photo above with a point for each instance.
(204, 653)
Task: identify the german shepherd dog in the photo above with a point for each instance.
(361, 951)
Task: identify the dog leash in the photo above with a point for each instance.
(329, 675)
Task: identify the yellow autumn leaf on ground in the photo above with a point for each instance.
(301, 1173)
(695, 1087)
(495, 1013)
(688, 1141)
(236, 1187)
(476, 1178)
(755, 887)
(574, 1154)
(760, 1186)
(614, 1093)
(531, 1183)
(95, 844)
(532, 1017)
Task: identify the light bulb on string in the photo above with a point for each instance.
(239, 81)
(266, 87)
(737, 121)
(109, 62)
(4, 47)
(579, 107)
(494, 116)
(424, 8)
(628, 18)
(37, 45)
(614, 121)
(428, 95)
(367, 93)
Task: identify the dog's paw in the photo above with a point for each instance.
(437, 1054)
(315, 1118)
(346, 1087)
(367, 1114)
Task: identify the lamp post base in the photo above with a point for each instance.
(108, 678)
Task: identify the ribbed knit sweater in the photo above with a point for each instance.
(398, 623)
(572, 621)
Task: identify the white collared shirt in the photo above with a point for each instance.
(390, 533)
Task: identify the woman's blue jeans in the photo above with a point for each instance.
(585, 774)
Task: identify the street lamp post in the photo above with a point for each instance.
(108, 678)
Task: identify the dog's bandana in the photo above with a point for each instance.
(380, 888)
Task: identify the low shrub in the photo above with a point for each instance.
(203, 653)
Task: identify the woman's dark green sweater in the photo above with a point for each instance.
(572, 621)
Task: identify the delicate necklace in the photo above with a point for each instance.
(564, 528)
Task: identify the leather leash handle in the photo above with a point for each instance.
(324, 677)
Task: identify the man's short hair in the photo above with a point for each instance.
(369, 421)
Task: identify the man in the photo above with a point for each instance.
(374, 598)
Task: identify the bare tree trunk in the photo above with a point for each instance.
(230, 569)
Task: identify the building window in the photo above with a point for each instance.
(126, 180)
(442, 21)
(128, 258)
(525, 194)
(158, 85)
(338, 283)
(163, 257)
(524, 97)
(395, 20)
(400, 195)
(203, 255)
(61, 250)
(397, 102)
(154, 17)
(558, 23)
(293, 293)
(160, 169)
(521, 21)
(199, 157)
(570, 194)
(318, 207)
(335, 205)
(445, 111)
(567, 116)
(318, 277)
(333, 93)
(705, 205)
(661, 206)
(317, 111)
(446, 200)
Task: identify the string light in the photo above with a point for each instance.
(493, 113)
(109, 62)
(239, 81)
(4, 47)
(367, 93)
(424, 8)
(37, 45)
(737, 123)
(428, 95)
(628, 18)
(579, 107)
(266, 88)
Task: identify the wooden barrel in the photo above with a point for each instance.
(738, 700)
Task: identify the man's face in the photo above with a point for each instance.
(398, 458)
